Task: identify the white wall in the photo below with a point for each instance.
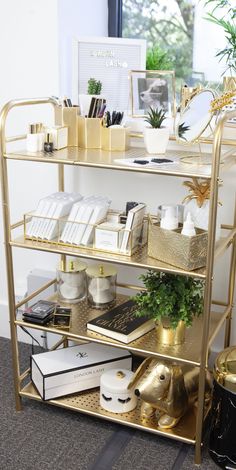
(34, 39)
(29, 68)
(89, 18)
(208, 40)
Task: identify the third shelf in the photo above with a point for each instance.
(189, 352)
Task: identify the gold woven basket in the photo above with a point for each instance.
(178, 250)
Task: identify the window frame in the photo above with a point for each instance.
(115, 18)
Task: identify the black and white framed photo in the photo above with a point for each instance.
(152, 89)
(108, 60)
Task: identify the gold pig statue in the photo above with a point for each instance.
(165, 387)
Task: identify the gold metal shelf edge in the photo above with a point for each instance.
(97, 158)
(88, 403)
(138, 260)
(187, 353)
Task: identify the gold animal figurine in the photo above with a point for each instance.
(167, 388)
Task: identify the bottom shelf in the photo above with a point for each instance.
(88, 402)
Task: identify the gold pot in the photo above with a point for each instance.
(169, 336)
(229, 84)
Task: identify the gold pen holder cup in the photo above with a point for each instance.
(176, 249)
(68, 117)
(89, 132)
(115, 138)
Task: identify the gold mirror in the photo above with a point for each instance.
(195, 118)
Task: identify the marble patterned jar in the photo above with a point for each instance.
(71, 281)
(101, 280)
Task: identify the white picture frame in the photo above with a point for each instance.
(108, 60)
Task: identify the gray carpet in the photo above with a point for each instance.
(43, 437)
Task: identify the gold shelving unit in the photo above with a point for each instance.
(199, 338)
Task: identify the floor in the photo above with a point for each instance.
(42, 437)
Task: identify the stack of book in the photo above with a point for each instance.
(121, 323)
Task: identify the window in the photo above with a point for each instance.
(187, 42)
(168, 25)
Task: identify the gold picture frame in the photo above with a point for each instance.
(152, 88)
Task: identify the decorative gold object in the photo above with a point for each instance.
(225, 369)
(176, 249)
(167, 388)
(187, 93)
(229, 83)
(169, 336)
(68, 117)
(221, 101)
(89, 132)
(115, 138)
(200, 190)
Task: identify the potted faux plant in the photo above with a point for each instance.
(156, 136)
(172, 301)
(94, 88)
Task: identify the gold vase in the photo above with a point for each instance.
(169, 336)
(229, 84)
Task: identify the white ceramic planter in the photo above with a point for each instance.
(156, 140)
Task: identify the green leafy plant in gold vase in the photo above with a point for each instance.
(172, 301)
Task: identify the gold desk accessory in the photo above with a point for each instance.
(89, 132)
(68, 116)
(115, 138)
(176, 249)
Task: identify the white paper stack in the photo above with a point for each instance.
(44, 225)
(84, 215)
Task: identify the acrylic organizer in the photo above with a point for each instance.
(82, 235)
(68, 116)
(89, 132)
(176, 249)
(115, 138)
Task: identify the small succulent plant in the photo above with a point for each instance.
(94, 87)
(155, 117)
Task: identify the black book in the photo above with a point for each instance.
(120, 323)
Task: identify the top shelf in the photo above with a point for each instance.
(97, 158)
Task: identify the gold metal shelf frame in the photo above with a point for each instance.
(190, 429)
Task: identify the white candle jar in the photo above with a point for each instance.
(114, 394)
(101, 281)
(71, 282)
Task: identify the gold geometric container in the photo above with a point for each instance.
(115, 138)
(169, 336)
(68, 117)
(176, 249)
(229, 83)
(89, 130)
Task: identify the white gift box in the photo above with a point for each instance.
(59, 135)
(70, 370)
(108, 236)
